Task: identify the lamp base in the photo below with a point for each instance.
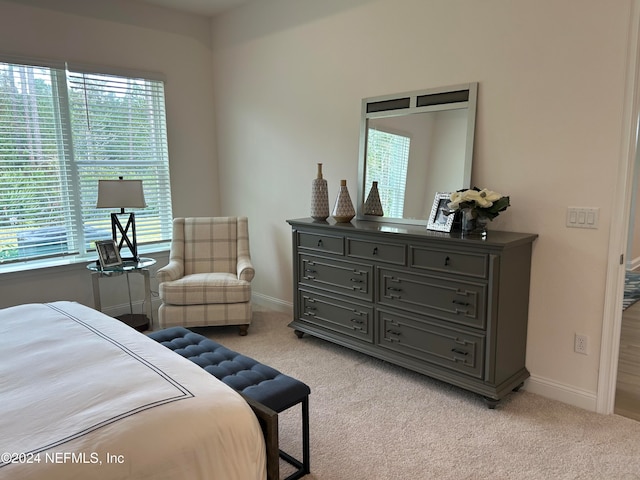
(121, 234)
(139, 321)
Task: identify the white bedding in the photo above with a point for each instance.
(84, 396)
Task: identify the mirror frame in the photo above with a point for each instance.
(409, 103)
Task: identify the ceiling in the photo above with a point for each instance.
(200, 7)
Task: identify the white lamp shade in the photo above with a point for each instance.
(120, 194)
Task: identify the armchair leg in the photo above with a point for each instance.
(244, 329)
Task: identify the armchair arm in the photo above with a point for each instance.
(172, 271)
(245, 269)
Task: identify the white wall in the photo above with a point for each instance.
(289, 76)
(125, 36)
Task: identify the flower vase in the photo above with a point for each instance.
(343, 210)
(319, 197)
(373, 205)
(481, 226)
(473, 225)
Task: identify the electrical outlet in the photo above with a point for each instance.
(581, 344)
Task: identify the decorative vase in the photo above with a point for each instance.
(472, 224)
(343, 210)
(319, 197)
(373, 206)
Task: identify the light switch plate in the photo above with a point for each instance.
(582, 217)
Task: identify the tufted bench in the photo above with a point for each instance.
(252, 379)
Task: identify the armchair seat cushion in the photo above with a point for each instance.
(205, 288)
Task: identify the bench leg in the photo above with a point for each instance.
(303, 467)
(306, 459)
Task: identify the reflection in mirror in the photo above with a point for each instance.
(415, 145)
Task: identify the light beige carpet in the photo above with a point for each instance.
(374, 421)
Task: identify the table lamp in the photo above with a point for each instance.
(122, 194)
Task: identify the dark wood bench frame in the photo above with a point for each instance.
(268, 420)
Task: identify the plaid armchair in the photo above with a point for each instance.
(208, 278)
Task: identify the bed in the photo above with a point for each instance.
(84, 396)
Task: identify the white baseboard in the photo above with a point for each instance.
(260, 300)
(632, 264)
(138, 307)
(564, 393)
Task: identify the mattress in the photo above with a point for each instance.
(84, 396)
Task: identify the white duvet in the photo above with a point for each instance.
(84, 396)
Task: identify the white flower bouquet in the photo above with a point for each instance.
(478, 203)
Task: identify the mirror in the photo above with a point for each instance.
(414, 145)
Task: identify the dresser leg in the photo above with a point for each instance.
(491, 403)
(517, 389)
(298, 333)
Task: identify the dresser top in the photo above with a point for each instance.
(495, 238)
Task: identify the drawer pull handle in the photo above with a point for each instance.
(375, 250)
(447, 262)
(309, 270)
(459, 352)
(320, 243)
(458, 302)
(395, 338)
(356, 280)
(357, 327)
(394, 289)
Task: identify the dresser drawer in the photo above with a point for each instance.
(337, 276)
(459, 301)
(377, 251)
(470, 264)
(335, 315)
(425, 341)
(321, 243)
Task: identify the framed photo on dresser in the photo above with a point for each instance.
(440, 219)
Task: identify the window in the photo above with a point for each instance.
(387, 162)
(61, 130)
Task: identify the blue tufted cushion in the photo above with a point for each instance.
(244, 374)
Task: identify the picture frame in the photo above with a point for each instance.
(108, 253)
(439, 219)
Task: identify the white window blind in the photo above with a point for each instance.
(387, 162)
(60, 132)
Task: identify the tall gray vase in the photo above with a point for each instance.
(319, 197)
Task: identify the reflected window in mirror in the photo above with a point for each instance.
(387, 162)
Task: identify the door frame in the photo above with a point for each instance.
(619, 230)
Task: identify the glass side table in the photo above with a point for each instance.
(139, 321)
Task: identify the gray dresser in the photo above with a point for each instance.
(451, 308)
